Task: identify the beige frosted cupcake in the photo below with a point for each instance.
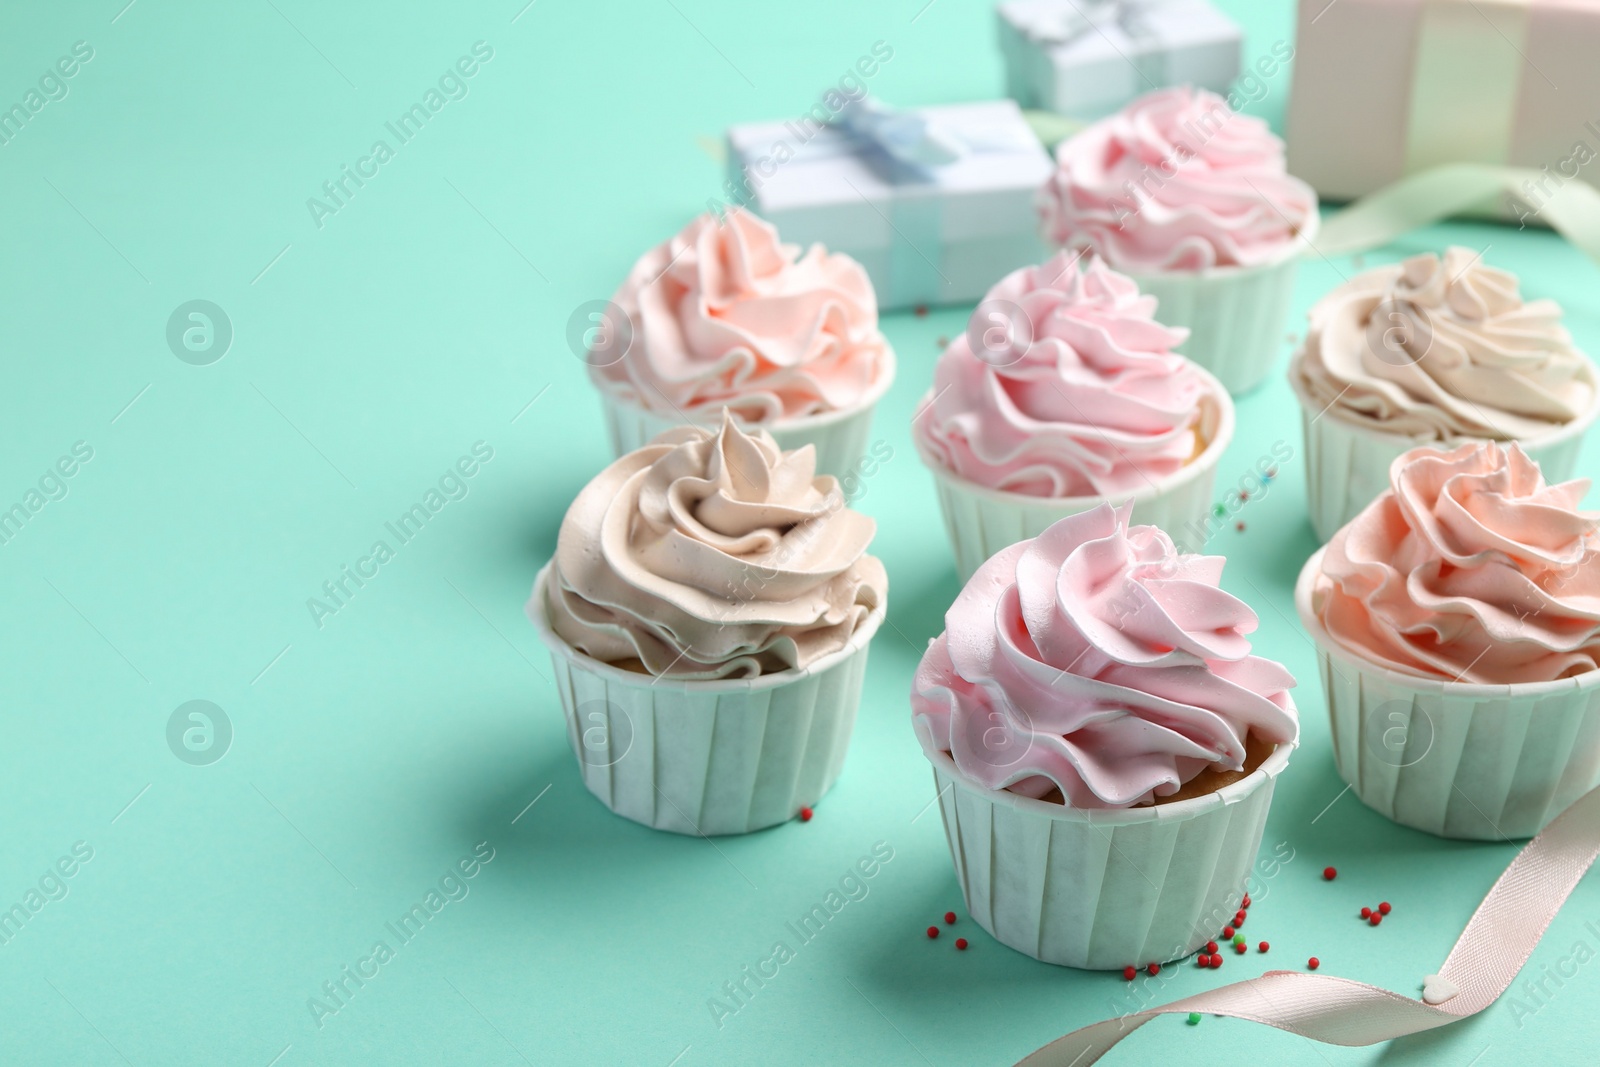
(1103, 743)
(1433, 350)
(1063, 393)
(1457, 624)
(1194, 202)
(724, 317)
(708, 612)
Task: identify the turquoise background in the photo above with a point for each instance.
(370, 754)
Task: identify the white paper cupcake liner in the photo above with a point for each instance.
(1347, 464)
(1102, 890)
(1459, 760)
(1235, 316)
(982, 521)
(707, 757)
(840, 437)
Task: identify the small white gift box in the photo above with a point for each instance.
(936, 203)
(1087, 58)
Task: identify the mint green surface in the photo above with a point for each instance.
(371, 753)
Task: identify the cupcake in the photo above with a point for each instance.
(725, 318)
(1457, 625)
(1103, 743)
(1433, 350)
(1064, 392)
(1194, 202)
(707, 612)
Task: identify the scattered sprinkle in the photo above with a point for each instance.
(1330, 873)
(950, 918)
(805, 814)
(1384, 908)
(1227, 933)
(1240, 947)
(1129, 971)
(1152, 969)
(1194, 1018)
(1244, 494)
(1375, 919)
(1219, 511)
(1239, 526)
(1216, 959)
(944, 342)
(1246, 902)
(933, 931)
(1211, 946)
(920, 311)
(1313, 963)
(961, 943)
(1238, 939)
(1366, 913)
(1263, 947)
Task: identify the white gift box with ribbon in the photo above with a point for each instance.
(936, 203)
(1087, 58)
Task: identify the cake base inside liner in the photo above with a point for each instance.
(1209, 780)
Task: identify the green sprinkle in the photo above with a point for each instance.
(1238, 939)
(1194, 1018)
(1219, 511)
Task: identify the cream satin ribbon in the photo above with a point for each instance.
(1465, 80)
(1498, 939)
(1571, 207)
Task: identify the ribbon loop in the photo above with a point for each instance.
(1497, 941)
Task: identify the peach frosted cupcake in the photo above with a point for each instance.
(707, 613)
(1195, 203)
(1457, 623)
(1064, 392)
(1103, 743)
(1433, 350)
(724, 317)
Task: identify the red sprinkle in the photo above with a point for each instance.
(950, 918)
(1239, 526)
(1330, 873)
(1384, 908)
(1366, 913)
(1313, 963)
(1216, 959)
(1153, 969)
(1263, 947)
(1238, 917)
(1246, 902)
(805, 814)
(920, 311)
(1129, 971)
(944, 342)
(1227, 933)
(1241, 948)
(1375, 919)
(1211, 946)
(961, 943)
(933, 931)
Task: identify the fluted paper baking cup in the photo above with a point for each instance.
(1347, 464)
(982, 521)
(840, 437)
(707, 757)
(1460, 760)
(1235, 316)
(1102, 889)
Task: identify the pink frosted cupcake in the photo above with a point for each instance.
(1194, 202)
(725, 317)
(1103, 743)
(1063, 393)
(1457, 621)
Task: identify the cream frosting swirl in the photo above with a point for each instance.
(725, 316)
(1439, 349)
(1468, 568)
(1098, 660)
(712, 554)
(1084, 398)
(1176, 181)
